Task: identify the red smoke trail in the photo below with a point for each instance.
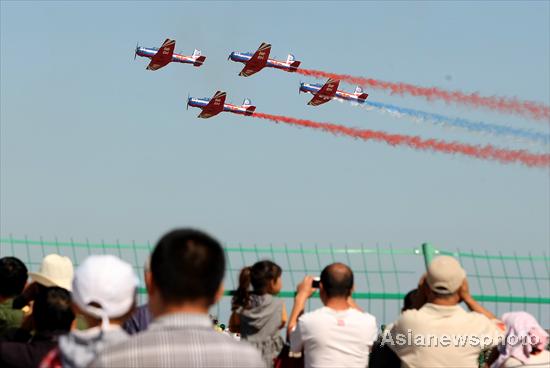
(483, 152)
(530, 109)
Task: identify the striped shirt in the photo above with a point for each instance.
(180, 340)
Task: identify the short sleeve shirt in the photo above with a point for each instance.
(439, 336)
(333, 338)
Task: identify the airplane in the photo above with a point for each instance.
(328, 91)
(161, 57)
(253, 63)
(213, 106)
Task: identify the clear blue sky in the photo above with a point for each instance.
(93, 145)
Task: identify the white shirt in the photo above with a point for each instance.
(333, 338)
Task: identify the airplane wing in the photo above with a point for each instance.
(163, 55)
(257, 62)
(214, 107)
(326, 93)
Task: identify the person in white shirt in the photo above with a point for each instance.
(338, 334)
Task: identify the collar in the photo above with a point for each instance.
(94, 331)
(442, 309)
(334, 311)
(182, 320)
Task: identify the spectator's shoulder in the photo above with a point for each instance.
(410, 314)
(482, 321)
(362, 316)
(120, 351)
(478, 317)
(311, 316)
(244, 354)
(369, 318)
(409, 318)
(279, 301)
(276, 303)
(10, 317)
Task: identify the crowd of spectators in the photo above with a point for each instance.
(88, 317)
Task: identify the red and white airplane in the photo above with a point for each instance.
(213, 106)
(322, 94)
(253, 63)
(161, 57)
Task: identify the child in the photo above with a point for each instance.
(104, 293)
(256, 314)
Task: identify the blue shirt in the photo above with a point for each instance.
(139, 321)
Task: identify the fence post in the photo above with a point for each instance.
(428, 251)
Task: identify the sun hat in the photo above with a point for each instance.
(55, 270)
(445, 275)
(104, 286)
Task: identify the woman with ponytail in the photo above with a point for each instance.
(256, 313)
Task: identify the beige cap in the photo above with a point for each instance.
(55, 270)
(445, 275)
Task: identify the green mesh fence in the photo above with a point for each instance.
(383, 274)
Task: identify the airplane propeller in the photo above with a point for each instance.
(137, 47)
(188, 96)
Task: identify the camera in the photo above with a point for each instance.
(315, 282)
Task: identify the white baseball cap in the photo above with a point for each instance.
(445, 275)
(107, 281)
(55, 270)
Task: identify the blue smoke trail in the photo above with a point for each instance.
(473, 126)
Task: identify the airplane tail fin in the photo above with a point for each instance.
(360, 94)
(294, 64)
(198, 58)
(247, 104)
(199, 61)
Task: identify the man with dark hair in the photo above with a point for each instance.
(187, 268)
(13, 277)
(337, 335)
(52, 317)
(337, 281)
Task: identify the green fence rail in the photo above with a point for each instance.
(383, 274)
